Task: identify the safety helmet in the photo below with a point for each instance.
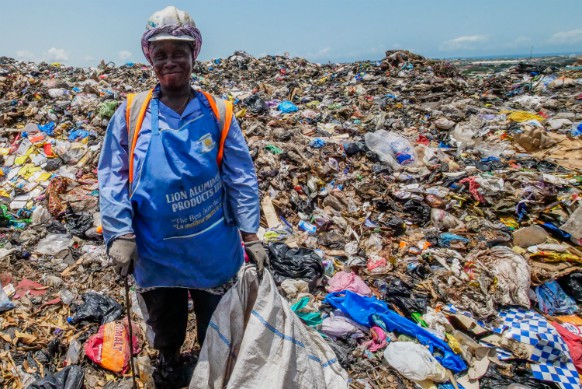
(170, 16)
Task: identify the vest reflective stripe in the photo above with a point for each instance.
(223, 110)
(137, 104)
(225, 129)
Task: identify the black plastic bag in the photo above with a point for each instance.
(296, 263)
(354, 148)
(572, 285)
(97, 308)
(344, 351)
(71, 377)
(494, 380)
(398, 293)
(256, 105)
(78, 223)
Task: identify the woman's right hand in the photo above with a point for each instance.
(123, 252)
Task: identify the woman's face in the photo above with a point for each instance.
(172, 62)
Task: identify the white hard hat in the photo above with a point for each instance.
(170, 16)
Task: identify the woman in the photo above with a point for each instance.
(172, 213)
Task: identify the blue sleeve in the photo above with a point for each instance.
(113, 173)
(240, 181)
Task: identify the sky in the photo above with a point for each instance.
(81, 33)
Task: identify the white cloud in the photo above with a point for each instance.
(25, 55)
(57, 55)
(88, 58)
(125, 55)
(566, 37)
(467, 42)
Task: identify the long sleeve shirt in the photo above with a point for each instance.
(237, 171)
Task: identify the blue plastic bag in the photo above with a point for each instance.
(287, 107)
(552, 299)
(362, 308)
(48, 128)
(78, 134)
(317, 143)
(446, 238)
(577, 131)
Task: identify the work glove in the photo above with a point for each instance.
(123, 252)
(257, 254)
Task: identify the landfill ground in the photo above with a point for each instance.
(450, 192)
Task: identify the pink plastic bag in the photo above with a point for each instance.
(348, 281)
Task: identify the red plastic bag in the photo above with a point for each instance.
(574, 343)
(109, 347)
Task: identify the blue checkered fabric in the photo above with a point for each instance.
(550, 351)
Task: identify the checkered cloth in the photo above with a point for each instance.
(550, 351)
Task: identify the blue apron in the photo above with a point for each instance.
(182, 236)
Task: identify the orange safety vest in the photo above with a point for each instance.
(137, 104)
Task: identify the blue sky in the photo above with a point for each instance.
(83, 32)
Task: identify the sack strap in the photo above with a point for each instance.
(137, 104)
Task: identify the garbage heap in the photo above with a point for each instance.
(425, 219)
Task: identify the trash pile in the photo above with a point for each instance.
(426, 222)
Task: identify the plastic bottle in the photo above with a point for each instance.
(307, 227)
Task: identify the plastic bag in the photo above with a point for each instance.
(348, 281)
(553, 300)
(391, 148)
(297, 263)
(574, 226)
(256, 105)
(311, 318)
(572, 285)
(287, 107)
(444, 220)
(54, 244)
(414, 362)
(493, 379)
(97, 308)
(71, 377)
(109, 347)
(361, 309)
(5, 303)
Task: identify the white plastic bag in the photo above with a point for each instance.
(391, 148)
(414, 362)
(54, 244)
(255, 340)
